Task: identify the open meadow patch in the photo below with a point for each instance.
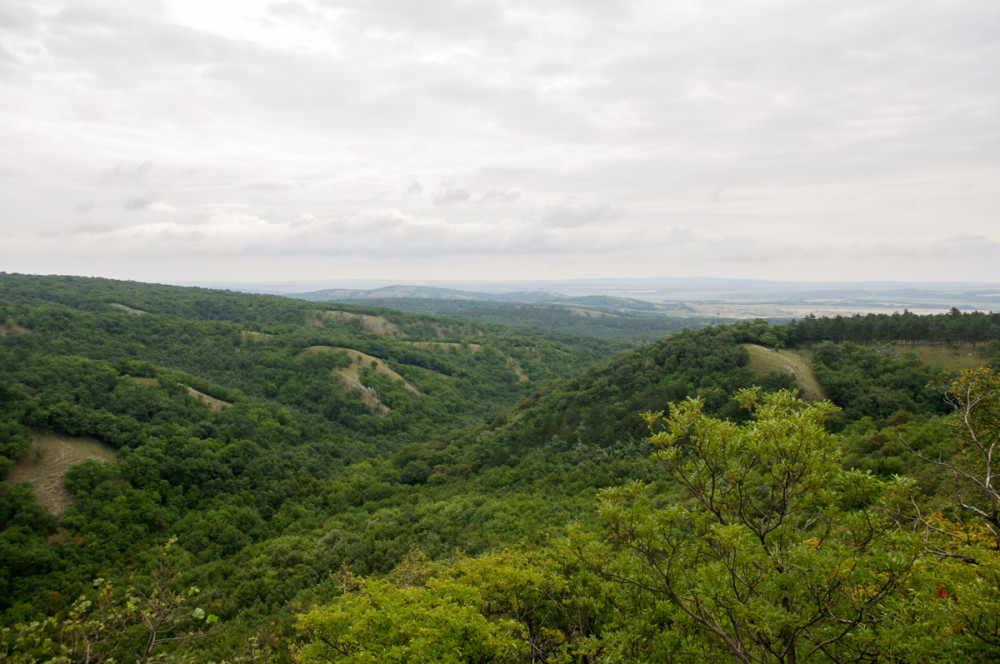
(48, 459)
(948, 356)
(764, 360)
(12, 328)
(127, 309)
(374, 324)
(447, 346)
(352, 372)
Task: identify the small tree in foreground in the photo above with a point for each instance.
(115, 625)
(776, 554)
(965, 538)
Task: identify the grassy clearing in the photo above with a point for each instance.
(516, 368)
(374, 324)
(47, 461)
(248, 335)
(128, 309)
(447, 345)
(210, 401)
(587, 313)
(12, 328)
(765, 360)
(947, 357)
(352, 373)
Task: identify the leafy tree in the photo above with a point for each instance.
(966, 537)
(774, 553)
(401, 620)
(112, 623)
(975, 396)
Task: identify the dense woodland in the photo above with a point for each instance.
(305, 482)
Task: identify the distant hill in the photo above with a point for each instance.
(703, 296)
(401, 292)
(607, 316)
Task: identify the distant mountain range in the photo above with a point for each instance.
(729, 297)
(603, 302)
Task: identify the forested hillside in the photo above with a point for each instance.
(597, 316)
(306, 482)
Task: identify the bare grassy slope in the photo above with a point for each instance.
(764, 360)
(46, 463)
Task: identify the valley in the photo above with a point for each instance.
(335, 472)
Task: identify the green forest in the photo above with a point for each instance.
(197, 475)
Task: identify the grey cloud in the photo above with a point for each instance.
(451, 195)
(127, 176)
(499, 196)
(572, 214)
(84, 207)
(140, 202)
(16, 17)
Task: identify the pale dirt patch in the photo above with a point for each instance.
(128, 309)
(516, 368)
(764, 360)
(48, 459)
(369, 397)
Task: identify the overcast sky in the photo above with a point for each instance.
(190, 140)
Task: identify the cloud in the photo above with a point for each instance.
(127, 176)
(289, 9)
(581, 214)
(450, 195)
(140, 202)
(499, 196)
